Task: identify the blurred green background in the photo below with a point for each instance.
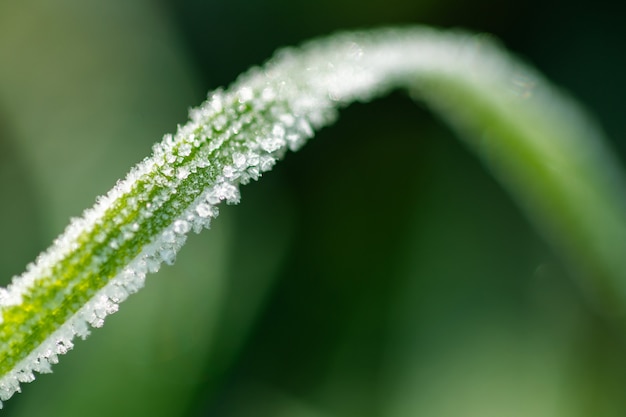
(381, 271)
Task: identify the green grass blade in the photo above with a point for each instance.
(537, 141)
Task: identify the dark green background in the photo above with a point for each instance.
(380, 271)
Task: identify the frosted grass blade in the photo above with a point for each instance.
(539, 142)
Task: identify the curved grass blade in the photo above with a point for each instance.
(541, 145)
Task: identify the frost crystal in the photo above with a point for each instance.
(204, 210)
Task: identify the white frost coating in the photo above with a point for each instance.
(105, 301)
(233, 138)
